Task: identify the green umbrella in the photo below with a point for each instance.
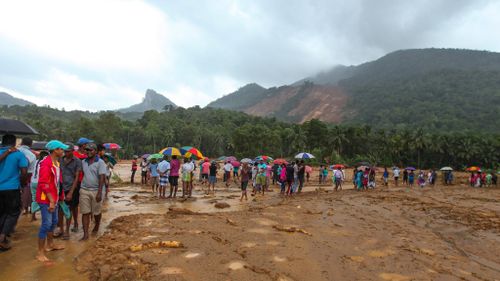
(155, 156)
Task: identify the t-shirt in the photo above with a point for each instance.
(205, 167)
(245, 174)
(30, 156)
(92, 172)
(289, 172)
(144, 166)
(175, 165)
(213, 170)
(228, 167)
(163, 167)
(134, 165)
(10, 169)
(396, 172)
(153, 169)
(187, 168)
(302, 170)
(337, 174)
(69, 171)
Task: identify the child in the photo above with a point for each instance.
(421, 179)
(385, 177)
(411, 178)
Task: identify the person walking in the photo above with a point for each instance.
(228, 169)
(301, 174)
(153, 171)
(212, 177)
(396, 172)
(94, 177)
(187, 177)
(48, 195)
(144, 171)
(13, 175)
(245, 177)
(80, 153)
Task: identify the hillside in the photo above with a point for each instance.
(152, 101)
(437, 89)
(8, 100)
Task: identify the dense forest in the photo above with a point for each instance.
(219, 132)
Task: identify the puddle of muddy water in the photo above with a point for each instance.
(19, 263)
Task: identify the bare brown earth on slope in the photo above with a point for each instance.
(322, 102)
(440, 233)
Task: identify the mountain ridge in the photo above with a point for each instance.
(9, 100)
(152, 101)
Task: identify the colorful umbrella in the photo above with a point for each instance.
(473, 169)
(112, 146)
(155, 156)
(264, 158)
(446, 169)
(170, 151)
(222, 158)
(410, 168)
(280, 161)
(304, 155)
(246, 160)
(145, 156)
(110, 158)
(338, 166)
(231, 158)
(235, 164)
(189, 151)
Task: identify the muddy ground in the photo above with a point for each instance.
(440, 233)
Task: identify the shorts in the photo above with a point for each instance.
(261, 180)
(244, 185)
(337, 180)
(88, 203)
(186, 177)
(75, 198)
(204, 176)
(174, 180)
(235, 173)
(154, 180)
(144, 173)
(227, 175)
(396, 178)
(212, 179)
(163, 180)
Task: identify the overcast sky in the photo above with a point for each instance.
(104, 54)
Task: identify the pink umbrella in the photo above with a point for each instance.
(231, 158)
(235, 163)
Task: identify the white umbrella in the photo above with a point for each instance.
(446, 169)
(246, 160)
(304, 155)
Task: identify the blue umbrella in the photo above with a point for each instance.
(304, 155)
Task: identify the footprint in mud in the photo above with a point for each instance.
(393, 277)
(236, 265)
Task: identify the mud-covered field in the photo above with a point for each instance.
(439, 233)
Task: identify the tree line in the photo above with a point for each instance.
(218, 132)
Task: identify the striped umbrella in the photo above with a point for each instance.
(112, 146)
(264, 158)
(189, 151)
(304, 155)
(170, 151)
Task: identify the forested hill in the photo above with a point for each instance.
(222, 132)
(436, 89)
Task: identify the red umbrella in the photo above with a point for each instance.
(338, 166)
(235, 163)
(280, 161)
(112, 146)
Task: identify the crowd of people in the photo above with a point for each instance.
(65, 182)
(60, 183)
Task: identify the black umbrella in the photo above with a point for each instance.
(38, 145)
(16, 127)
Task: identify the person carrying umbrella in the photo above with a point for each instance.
(175, 165)
(163, 170)
(144, 171)
(396, 172)
(245, 177)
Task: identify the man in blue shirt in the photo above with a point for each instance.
(13, 175)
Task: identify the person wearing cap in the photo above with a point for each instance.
(94, 177)
(47, 196)
(71, 168)
(13, 175)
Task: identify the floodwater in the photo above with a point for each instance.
(19, 263)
